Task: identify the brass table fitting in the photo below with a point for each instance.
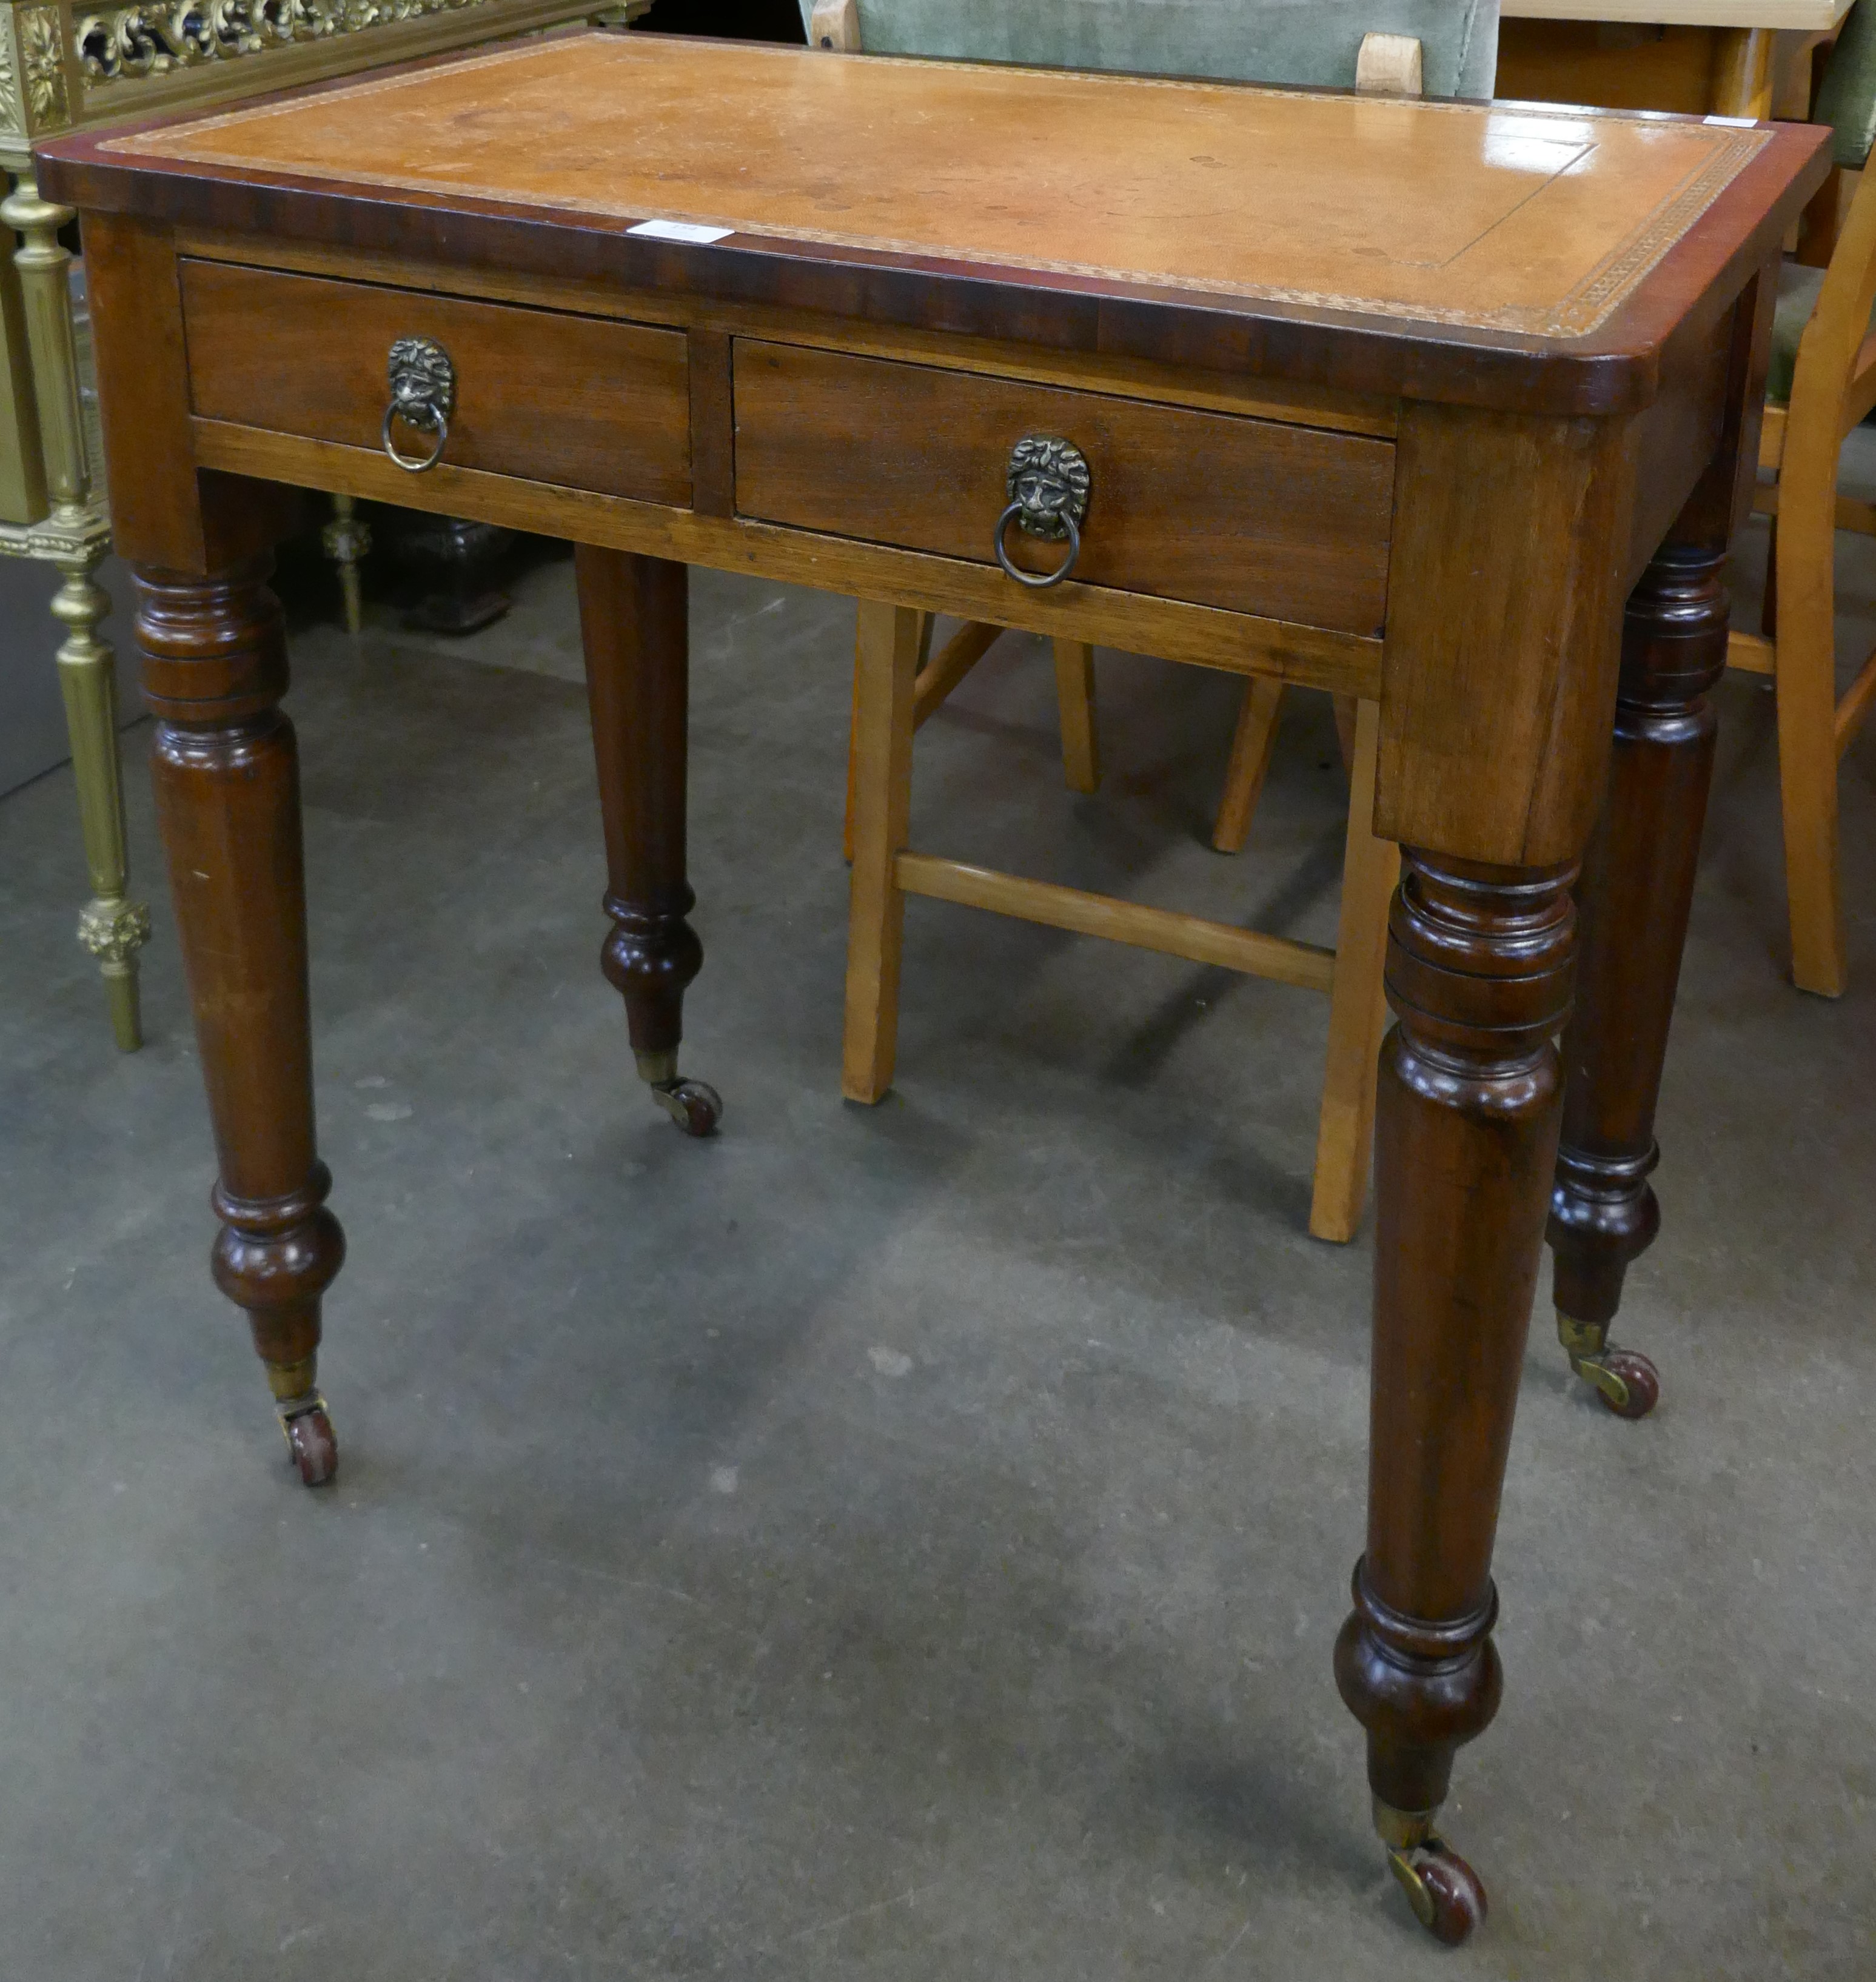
(1586, 1343)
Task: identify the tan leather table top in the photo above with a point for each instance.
(1519, 219)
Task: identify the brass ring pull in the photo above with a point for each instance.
(423, 395)
(1048, 483)
(410, 465)
(1035, 582)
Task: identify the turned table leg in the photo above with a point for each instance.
(1478, 974)
(1634, 902)
(226, 775)
(634, 616)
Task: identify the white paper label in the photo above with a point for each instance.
(681, 230)
(1739, 123)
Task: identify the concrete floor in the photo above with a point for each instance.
(895, 1544)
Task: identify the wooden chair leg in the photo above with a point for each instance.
(1251, 759)
(1806, 684)
(1074, 695)
(1357, 1006)
(940, 673)
(1345, 706)
(927, 622)
(885, 674)
(1768, 604)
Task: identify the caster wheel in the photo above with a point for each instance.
(1457, 1897)
(313, 1448)
(1640, 1381)
(694, 1105)
(1447, 1896)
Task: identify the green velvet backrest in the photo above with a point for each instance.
(1246, 40)
(1846, 99)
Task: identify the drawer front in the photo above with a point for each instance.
(578, 401)
(1287, 523)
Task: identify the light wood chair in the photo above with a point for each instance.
(899, 683)
(1823, 383)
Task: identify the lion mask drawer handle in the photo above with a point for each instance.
(423, 395)
(1048, 481)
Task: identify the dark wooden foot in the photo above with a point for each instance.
(1478, 974)
(1633, 903)
(226, 777)
(635, 626)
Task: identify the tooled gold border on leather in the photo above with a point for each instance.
(1730, 149)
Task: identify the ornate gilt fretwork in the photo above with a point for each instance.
(152, 40)
(10, 118)
(42, 66)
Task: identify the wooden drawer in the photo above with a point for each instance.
(582, 401)
(1288, 523)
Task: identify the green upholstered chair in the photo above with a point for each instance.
(1314, 42)
(1441, 47)
(1822, 383)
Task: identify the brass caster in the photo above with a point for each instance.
(1624, 1380)
(310, 1444)
(1446, 1896)
(694, 1105)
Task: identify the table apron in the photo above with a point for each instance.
(1172, 629)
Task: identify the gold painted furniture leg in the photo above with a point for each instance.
(22, 476)
(347, 541)
(111, 926)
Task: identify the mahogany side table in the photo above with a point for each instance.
(1101, 357)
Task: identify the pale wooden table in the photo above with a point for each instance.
(1726, 58)
(1803, 16)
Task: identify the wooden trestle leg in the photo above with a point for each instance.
(1479, 966)
(634, 614)
(1634, 902)
(226, 775)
